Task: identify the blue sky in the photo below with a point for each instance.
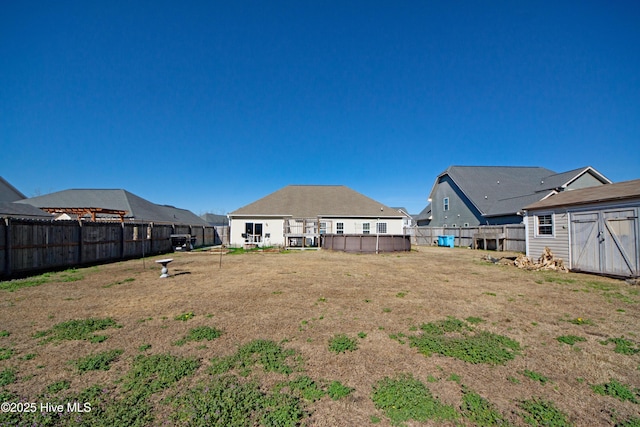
(211, 105)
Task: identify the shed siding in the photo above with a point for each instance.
(558, 243)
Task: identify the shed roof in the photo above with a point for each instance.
(611, 192)
(310, 201)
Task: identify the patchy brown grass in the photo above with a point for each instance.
(303, 299)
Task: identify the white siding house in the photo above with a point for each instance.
(592, 229)
(298, 215)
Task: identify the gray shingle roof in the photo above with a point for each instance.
(21, 210)
(310, 201)
(8, 193)
(136, 207)
(505, 190)
(611, 192)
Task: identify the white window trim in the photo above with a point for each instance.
(536, 218)
(445, 204)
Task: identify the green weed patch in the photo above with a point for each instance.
(404, 398)
(480, 411)
(7, 376)
(157, 372)
(535, 376)
(270, 355)
(310, 390)
(622, 345)
(5, 353)
(455, 338)
(543, 413)
(77, 330)
(225, 401)
(57, 387)
(618, 390)
(96, 362)
(570, 339)
(200, 334)
(341, 343)
(70, 275)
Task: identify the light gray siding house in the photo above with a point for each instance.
(592, 229)
(298, 215)
(464, 196)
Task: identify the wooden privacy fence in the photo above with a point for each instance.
(29, 246)
(509, 237)
(367, 243)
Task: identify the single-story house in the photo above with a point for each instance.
(464, 196)
(592, 229)
(110, 205)
(298, 215)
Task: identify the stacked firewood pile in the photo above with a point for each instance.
(547, 261)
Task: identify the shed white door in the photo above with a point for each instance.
(620, 242)
(605, 242)
(585, 242)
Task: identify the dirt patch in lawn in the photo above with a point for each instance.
(302, 300)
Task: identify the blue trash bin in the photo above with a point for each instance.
(441, 240)
(449, 240)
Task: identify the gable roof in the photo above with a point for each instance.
(505, 190)
(310, 201)
(8, 193)
(612, 192)
(425, 214)
(122, 200)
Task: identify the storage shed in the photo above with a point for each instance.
(593, 230)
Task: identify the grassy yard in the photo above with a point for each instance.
(436, 336)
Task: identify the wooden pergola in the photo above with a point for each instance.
(80, 212)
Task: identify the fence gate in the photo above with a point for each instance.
(605, 242)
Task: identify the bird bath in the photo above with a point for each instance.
(165, 269)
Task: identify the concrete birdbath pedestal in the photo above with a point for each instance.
(165, 269)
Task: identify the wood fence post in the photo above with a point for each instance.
(7, 247)
(80, 240)
(122, 240)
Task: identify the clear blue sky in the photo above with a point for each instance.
(211, 105)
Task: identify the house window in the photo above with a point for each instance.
(323, 228)
(445, 203)
(382, 227)
(544, 225)
(339, 227)
(366, 228)
(466, 224)
(253, 232)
